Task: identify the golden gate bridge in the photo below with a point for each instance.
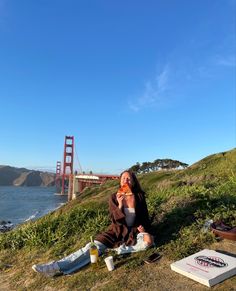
(70, 182)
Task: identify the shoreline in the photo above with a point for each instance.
(6, 226)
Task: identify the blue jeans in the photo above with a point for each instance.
(79, 259)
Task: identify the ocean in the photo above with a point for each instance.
(21, 204)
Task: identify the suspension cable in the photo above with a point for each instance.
(77, 159)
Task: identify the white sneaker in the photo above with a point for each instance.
(50, 269)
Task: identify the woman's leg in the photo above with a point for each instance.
(79, 259)
(71, 263)
(141, 244)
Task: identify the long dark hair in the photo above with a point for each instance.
(136, 188)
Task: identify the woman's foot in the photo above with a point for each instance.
(50, 269)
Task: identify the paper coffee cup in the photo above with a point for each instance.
(110, 264)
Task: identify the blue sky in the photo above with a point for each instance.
(132, 81)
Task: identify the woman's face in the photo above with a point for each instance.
(126, 179)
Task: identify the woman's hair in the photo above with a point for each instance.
(136, 188)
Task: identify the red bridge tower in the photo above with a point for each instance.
(58, 176)
(67, 163)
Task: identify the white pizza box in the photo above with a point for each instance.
(207, 267)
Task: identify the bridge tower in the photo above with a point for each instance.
(58, 176)
(67, 163)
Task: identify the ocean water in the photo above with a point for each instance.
(20, 204)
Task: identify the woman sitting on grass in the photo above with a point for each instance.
(127, 233)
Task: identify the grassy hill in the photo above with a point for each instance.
(179, 203)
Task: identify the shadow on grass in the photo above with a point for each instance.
(204, 205)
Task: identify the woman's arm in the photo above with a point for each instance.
(115, 211)
(143, 218)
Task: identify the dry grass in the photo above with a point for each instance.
(129, 274)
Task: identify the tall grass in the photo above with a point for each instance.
(57, 229)
(181, 227)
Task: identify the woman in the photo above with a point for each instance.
(127, 233)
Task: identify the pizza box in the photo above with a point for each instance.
(207, 267)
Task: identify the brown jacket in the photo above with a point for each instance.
(118, 232)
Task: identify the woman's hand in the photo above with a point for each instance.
(140, 228)
(120, 198)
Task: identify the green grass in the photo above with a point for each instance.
(55, 230)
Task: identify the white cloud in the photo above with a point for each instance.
(153, 91)
(228, 61)
(162, 79)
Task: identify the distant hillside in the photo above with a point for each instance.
(11, 176)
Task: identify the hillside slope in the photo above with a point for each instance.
(220, 164)
(11, 176)
(208, 171)
(179, 203)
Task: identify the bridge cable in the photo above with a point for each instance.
(77, 158)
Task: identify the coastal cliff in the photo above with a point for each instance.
(11, 176)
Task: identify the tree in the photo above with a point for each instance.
(135, 168)
(163, 164)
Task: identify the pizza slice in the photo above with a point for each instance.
(125, 189)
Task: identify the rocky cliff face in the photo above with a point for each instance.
(11, 176)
